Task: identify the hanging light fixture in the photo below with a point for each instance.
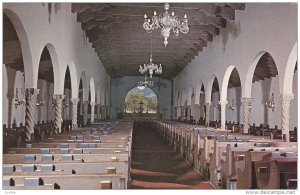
(150, 66)
(166, 22)
(143, 84)
(271, 103)
(231, 105)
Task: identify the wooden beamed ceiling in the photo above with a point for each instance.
(121, 43)
(265, 68)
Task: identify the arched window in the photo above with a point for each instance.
(141, 101)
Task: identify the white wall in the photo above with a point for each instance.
(67, 45)
(260, 27)
(120, 87)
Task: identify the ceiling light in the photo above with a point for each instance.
(166, 22)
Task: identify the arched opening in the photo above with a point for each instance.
(89, 106)
(13, 85)
(13, 114)
(293, 123)
(264, 90)
(80, 105)
(177, 113)
(141, 101)
(67, 115)
(45, 112)
(234, 93)
(202, 107)
(215, 98)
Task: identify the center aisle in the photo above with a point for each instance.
(156, 166)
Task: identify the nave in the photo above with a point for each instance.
(155, 165)
(222, 112)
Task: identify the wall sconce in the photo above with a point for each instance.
(270, 103)
(40, 102)
(65, 103)
(18, 99)
(250, 106)
(231, 105)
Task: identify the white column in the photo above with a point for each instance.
(197, 112)
(207, 114)
(246, 112)
(85, 112)
(30, 97)
(92, 111)
(74, 111)
(223, 104)
(58, 111)
(285, 114)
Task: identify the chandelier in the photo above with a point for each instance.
(143, 84)
(271, 103)
(151, 67)
(166, 22)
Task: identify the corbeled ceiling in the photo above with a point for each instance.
(122, 44)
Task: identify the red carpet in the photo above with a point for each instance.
(156, 166)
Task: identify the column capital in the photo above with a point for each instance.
(287, 97)
(31, 93)
(207, 104)
(74, 100)
(246, 100)
(223, 102)
(58, 96)
(92, 104)
(85, 103)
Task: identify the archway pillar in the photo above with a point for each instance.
(189, 110)
(182, 111)
(92, 111)
(58, 111)
(103, 110)
(98, 108)
(74, 102)
(85, 112)
(207, 114)
(30, 98)
(246, 113)
(285, 114)
(223, 104)
(196, 112)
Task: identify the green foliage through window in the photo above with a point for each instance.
(135, 96)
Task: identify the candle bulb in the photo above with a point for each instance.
(185, 16)
(155, 13)
(172, 13)
(145, 16)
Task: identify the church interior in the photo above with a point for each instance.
(137, 95)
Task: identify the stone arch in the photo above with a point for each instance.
(248, 82)
(189, 95)
(58, 86)
(198, 92)
(289, 71)
(183, 97)
(84, 86)
(30, 82)
(209, 88)
(178, 98)
(73, 74)
(92, 89)
(223, 95)
(98, 93)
